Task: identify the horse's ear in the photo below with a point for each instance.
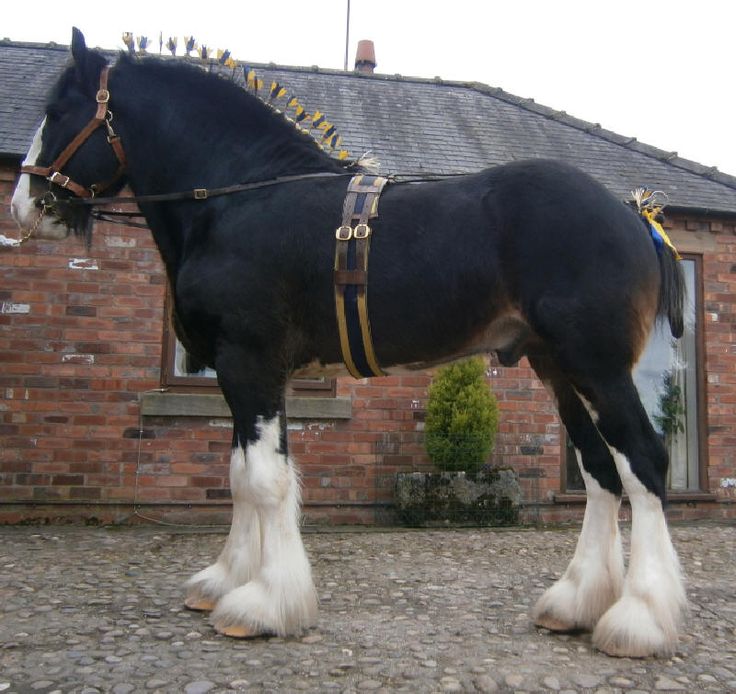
(86, 62)
(79, 48)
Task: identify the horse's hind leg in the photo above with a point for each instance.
(645, 620)
(594, 578)
(267, 585)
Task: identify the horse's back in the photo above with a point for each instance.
(531, 249)
(527, 242)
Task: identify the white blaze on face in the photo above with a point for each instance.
(22, 205)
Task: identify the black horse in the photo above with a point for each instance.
(532, 258)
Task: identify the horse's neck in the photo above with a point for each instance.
(176, 139)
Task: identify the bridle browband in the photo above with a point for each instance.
(103, 116)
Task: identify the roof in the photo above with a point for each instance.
(417, 126)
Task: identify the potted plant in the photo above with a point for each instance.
(460, 431)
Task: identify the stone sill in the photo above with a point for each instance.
(163, 404)
(672, 497)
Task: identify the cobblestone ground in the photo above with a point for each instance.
(100, 610)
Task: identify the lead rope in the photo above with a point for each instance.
(14, 243)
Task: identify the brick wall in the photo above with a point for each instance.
(80, 341)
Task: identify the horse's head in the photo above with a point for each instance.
(75, 152)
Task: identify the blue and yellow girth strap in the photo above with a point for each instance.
(353, 239)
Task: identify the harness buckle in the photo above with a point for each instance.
(56, 176)
(103, 96)
(362, 231)
(344, 233)
(200, 193)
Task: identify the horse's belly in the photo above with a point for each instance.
(508, 335)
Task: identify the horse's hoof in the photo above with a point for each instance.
(633, 629)
(199, 604)
(548, 621)
(237, 631)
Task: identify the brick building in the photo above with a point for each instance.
(98, 420)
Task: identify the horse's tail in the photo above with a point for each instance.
(649, 205)
(671, 289)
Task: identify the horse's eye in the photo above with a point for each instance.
(53, 114)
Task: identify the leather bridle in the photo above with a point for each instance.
(103, 116)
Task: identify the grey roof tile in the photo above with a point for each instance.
(417, 126)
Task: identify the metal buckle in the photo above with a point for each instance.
(48, 200)
(103, 96)
(200, 193)
(53, 176)
(344, 233)
(362, 231)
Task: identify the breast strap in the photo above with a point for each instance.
(353, 239)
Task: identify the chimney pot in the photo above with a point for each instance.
(365, 57)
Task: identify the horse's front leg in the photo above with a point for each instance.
(262, 581)
(279, 597)
(240, 558)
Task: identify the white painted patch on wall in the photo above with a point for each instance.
(220, 423)
(119, 242)
(78, 359)
(7, 241)
(83, 264)
(9, 307)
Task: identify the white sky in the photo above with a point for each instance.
(658, 70)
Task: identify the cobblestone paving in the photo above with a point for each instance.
(100, 610)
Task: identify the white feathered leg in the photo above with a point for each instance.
(645, 621)
(594, 578)
(280, 597)
(240, 559)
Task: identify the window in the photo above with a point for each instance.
(669, 382)
(178, 370)
(667, 377)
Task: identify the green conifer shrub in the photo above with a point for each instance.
(462, 417)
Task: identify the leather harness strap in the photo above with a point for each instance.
(351, 275)
(103, 116)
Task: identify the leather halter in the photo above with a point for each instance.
(103, 116)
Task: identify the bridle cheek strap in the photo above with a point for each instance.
(103, 116)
